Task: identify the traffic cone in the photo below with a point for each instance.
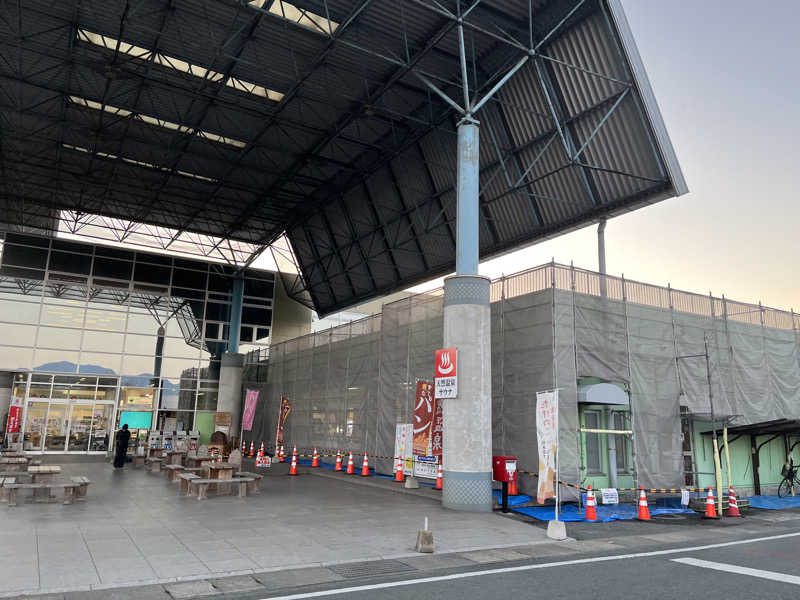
(733, 507)
(350, 468)
(439, 477)
(261, 450)
(365, 466)
(398, 476)
(315, 458)
(252, 449)
(294, 451)
(512, 488)
(591, 506)
(711, 508)
(644, 511)
(293, 466)
(244, 447)
(338, 466)
(281, 455)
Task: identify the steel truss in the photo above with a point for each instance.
(351, 164)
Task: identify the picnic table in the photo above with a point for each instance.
(43, 474)
(175, 457)
(220, 470)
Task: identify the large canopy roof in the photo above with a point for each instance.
(242, 120)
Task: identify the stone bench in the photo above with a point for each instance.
(82, 492)
(202, 485)
(138, 461)
(184, 479)
(69, 490)
(253, 487)
(173, 472)
(155, 464)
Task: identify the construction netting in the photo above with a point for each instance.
(552, 326)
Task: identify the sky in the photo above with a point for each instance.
(727, 80)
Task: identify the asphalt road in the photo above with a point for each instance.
(763, 569)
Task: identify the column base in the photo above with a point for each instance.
(467, 491)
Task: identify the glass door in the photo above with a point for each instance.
(80, 427)
(102, 419)
(35, 417)
(56, 428)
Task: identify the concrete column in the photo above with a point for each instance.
(467, 432)
(230, 389)
(467, 188)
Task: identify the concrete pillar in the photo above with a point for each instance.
(467, 454)
(467, 435)
(229, 398)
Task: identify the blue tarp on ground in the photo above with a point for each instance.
(773, 502)
(571, 513)
(512, 500)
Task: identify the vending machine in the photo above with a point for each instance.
(194, 440)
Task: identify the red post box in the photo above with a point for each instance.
(504, 468)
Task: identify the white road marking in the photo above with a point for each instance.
(561, 563)
(707, 564)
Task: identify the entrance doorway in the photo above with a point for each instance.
(61, 426)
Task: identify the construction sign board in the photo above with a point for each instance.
(445, 373)
(547, 442)
(263, 462)
(426, 466)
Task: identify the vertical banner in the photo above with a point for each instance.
(250, 402)
(423, 419)
(438, 430)
(14, 415)
(402, 445)
(547, 442)
(283, 412)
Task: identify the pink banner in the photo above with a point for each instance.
(250, 402)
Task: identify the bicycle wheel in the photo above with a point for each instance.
(785, 488)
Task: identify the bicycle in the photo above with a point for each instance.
(790, 480)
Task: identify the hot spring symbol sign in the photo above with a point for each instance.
(445, 376)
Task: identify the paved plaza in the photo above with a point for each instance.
(136, 529)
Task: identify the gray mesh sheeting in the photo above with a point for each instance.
(351, 385)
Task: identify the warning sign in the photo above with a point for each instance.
(445, 375)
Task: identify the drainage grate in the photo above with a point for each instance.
(368, 569)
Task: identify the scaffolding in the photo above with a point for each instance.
(551, 326)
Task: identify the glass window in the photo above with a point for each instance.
(101, 426)
(70, 263)
(58, 338)
(80, 427)
(101, 341)
(114, 269)
(621, 441)
(136, 398)
(591, 420)
(56, 429)
(63, 316)
(20, 335)
(207, 400)
(34, 425)
(105, 319)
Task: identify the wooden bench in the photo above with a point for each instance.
(253, 487)
(202, 485)
(69, 490)
(172, 472)
(82, 491)
(155, 464)
(3, 490)
(184, 479)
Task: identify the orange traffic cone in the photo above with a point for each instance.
(244, 447)
(644, 511)
(439, 477)
(281, 455)
(365, 466)
(398, 476)
(293, 466)
(294, 451)
(591, 506)
(252, 449)
(315, 458)
(338, 466)
(350, 468)
(512, 488)
(733, 507)
(711, 508)
(261, 450)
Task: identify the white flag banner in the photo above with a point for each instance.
(547, 441)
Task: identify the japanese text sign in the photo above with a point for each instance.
(445, 375)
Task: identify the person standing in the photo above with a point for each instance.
(123, 437)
